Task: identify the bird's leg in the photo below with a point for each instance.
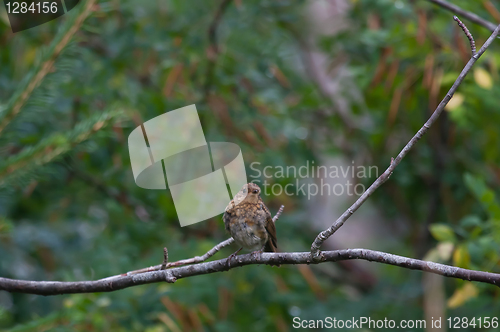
(254, 254)
(232, 256)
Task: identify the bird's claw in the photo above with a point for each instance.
(229, 260)
(259, 252)
(228, 263)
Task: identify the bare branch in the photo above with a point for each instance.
(160, 273)
(197, 259)
(395, 162)
(468, 34)
(278, 214)
(165, 259)
(171, 275)
(193, 260)
(165, 265)
(463, 13)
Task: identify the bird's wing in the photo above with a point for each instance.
(272, 244)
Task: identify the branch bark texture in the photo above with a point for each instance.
(171, 275)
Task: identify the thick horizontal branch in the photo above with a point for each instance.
(463, 13)
(171, 275)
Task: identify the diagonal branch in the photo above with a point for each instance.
(395, 162)
(182, 262)
(171, 275)
(463, 13)
(196, 259)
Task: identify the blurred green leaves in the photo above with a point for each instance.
(484, 195)
(477, 245)
(77, 213)
(442, 233)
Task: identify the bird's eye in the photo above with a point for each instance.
(255, 191)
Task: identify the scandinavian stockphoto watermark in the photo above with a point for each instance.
(310, 180)
(171, 150)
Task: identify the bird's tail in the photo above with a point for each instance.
(270, 247)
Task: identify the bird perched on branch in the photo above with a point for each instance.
(249, 221)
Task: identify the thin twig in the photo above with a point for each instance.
(165, 259)
(193, 260)
(278, 214)
(463, 13)
(196, 259)
(171, 275)
(468, 34)
(395, 162)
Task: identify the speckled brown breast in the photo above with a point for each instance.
(247, 223)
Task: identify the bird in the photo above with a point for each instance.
(249, 222)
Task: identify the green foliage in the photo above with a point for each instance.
(33, 157)
(70, 209)
(442, 233)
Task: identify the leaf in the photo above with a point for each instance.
(461, 257)
(483, 78)
(441, 253)
(445, 249)
(462, 295)
(471, 221)
(485, 195)
(442, 232)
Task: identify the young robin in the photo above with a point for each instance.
(249, 221)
